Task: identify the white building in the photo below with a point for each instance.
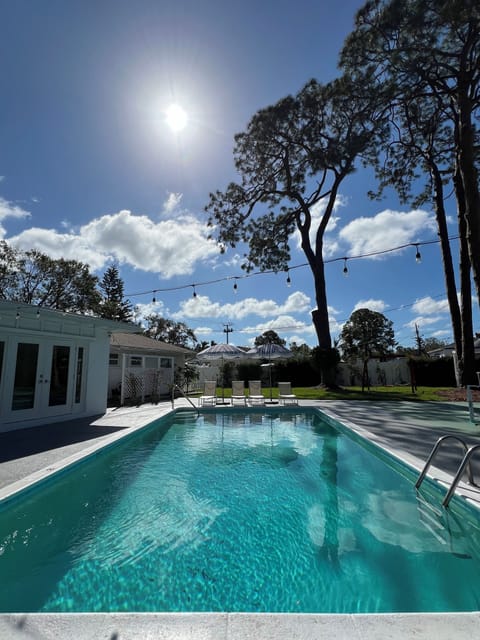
(53, 365)
(142, 368)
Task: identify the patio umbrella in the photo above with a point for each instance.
(222, 352)
(270, 351)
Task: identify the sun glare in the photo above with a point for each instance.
(176, 117)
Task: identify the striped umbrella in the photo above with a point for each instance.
(270, 351)
(222, 352)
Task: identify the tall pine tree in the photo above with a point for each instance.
(113, 306)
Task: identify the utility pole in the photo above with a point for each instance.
(419, 341)
(227, 329)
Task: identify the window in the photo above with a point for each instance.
(151, 362)
(78, 375)
(114, 358)
(25, 376)
(135, 361)
(166, 363)
(59, 376)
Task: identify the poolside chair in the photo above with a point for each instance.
(285, 394)
(209, 397)
(255, 395)
(238, 393)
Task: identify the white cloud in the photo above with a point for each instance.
(199, 331)
(203, 307)
(172, 203)
(386, 230)
(421, 321)
(442, 334)
(373, 305)
(427, 306)
(280, 325)
(10, 210)
(169, 247)
(60, 245)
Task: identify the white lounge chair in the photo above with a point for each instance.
(255, 395)
(238, 393)
(285, 394)
(209, 397)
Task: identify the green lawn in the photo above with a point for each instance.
(355, 393)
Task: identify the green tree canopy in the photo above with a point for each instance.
(34, 278)
(366, 333)
(294, 155)
(269, 337)
(300, 350)
(426, 54)
(170, 331)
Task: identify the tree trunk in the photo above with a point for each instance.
(448, 269)
(322, 325)
(469, 178)
(468, 347)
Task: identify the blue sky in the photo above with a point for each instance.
(90, 169)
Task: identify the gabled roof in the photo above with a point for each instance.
(139, 342)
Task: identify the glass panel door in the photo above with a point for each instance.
(24, 385)
(59, 376)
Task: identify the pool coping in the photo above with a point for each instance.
(238, 626)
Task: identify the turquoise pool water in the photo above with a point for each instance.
(238, 511)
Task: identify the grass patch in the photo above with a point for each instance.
(355, 393)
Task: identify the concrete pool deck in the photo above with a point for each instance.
(408, 430)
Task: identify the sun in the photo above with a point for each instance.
(176, 117)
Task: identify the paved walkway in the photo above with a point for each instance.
(407, 429)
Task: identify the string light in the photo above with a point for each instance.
(38, 314)
(154, 300)
(235, 288)
(298, 266)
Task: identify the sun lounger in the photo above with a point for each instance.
(238, 393)
(285, 394)
(255, 395)
(209, 397)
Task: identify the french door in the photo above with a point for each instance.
(43, 380)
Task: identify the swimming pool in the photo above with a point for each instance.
(238, 511)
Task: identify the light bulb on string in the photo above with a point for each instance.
(235, 288)
(345, 268)
(418, 255)
(154, 300)
(289, 281)
(194, 295)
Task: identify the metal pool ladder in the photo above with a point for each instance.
(175, 386)
(465, 464)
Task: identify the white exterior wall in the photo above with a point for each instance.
(52, 343)
(97, 378)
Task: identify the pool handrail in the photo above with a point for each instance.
(175, 386)
(439, 442)
(458, 475)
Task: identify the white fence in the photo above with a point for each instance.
(390, 372)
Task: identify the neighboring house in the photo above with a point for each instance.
(141, 367)
(53, 365)
(448, 350)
